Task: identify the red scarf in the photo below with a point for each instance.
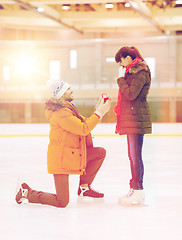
(117, 108)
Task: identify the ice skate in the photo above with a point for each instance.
(21, 196)
(134, 197)
(87, 194)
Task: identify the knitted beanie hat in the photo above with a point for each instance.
(58, 88)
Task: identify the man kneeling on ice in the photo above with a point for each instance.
(70, 149)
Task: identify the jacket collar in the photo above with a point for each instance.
(139, 67)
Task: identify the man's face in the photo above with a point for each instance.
(68, 95)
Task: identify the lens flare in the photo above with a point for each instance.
(25, 65)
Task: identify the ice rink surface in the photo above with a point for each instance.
(23, 159)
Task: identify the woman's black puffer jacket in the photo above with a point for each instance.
(135, 113)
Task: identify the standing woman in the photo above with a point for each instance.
(133, 116)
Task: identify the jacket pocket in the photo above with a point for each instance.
(71, 159)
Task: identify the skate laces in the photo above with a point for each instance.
(92, 190)
(130, 193)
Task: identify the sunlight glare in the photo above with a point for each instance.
(25, 65)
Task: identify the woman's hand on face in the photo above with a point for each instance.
(122, 71)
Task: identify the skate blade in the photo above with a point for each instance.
(83, 199)
(132, 204)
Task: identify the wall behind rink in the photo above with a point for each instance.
(25, 67)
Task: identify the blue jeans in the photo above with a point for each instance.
(135, 143)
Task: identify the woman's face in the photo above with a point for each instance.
(124, 62)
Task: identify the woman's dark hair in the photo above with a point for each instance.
(127, 51)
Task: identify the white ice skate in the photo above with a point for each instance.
(134, 198)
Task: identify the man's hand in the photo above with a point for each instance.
(102, 108)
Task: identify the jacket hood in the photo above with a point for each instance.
(139, 67)
(51, 106)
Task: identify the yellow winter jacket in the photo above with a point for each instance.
(69, 138)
